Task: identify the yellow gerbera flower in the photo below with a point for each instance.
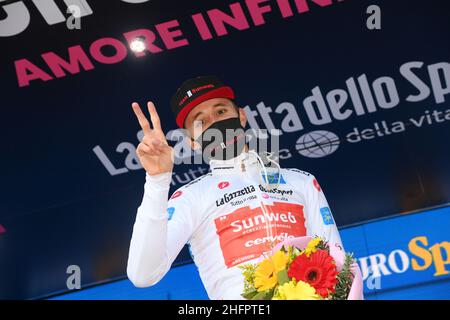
(266, 272)
(279, 260)
(296, 291)
(312, 246)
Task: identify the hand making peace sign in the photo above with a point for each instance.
(154, 153)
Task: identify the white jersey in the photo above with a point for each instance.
(229, 217)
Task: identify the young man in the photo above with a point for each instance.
(230, 216)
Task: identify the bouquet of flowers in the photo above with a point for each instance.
(303, 268)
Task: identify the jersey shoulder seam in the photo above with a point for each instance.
(300, 172)
(189, 184)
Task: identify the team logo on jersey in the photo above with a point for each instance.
(244, 233)
(277, 191)
(326, 215)
(316, 185)
(170, 212)
(227, 197)
(223, 184)
(272, 178)
(176, 194)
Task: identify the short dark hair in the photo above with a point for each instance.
(235, 104)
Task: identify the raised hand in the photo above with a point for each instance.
(154, 153)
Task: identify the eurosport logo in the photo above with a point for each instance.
(420, 256)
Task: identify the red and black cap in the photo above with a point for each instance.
(193, 92)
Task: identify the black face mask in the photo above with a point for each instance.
(223, 140)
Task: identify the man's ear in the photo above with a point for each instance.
(242, 117)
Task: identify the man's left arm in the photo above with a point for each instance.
(319, 219)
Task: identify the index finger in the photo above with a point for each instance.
(143, 122)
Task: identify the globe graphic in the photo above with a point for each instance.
(317, 144)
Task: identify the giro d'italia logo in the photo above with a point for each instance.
(317, 144)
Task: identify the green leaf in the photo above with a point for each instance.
(282, 277)
(345, 279)
(249, 295)
(264, 295)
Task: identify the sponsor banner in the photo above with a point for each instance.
(368, 122)
(244, 234)
(400, 253)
